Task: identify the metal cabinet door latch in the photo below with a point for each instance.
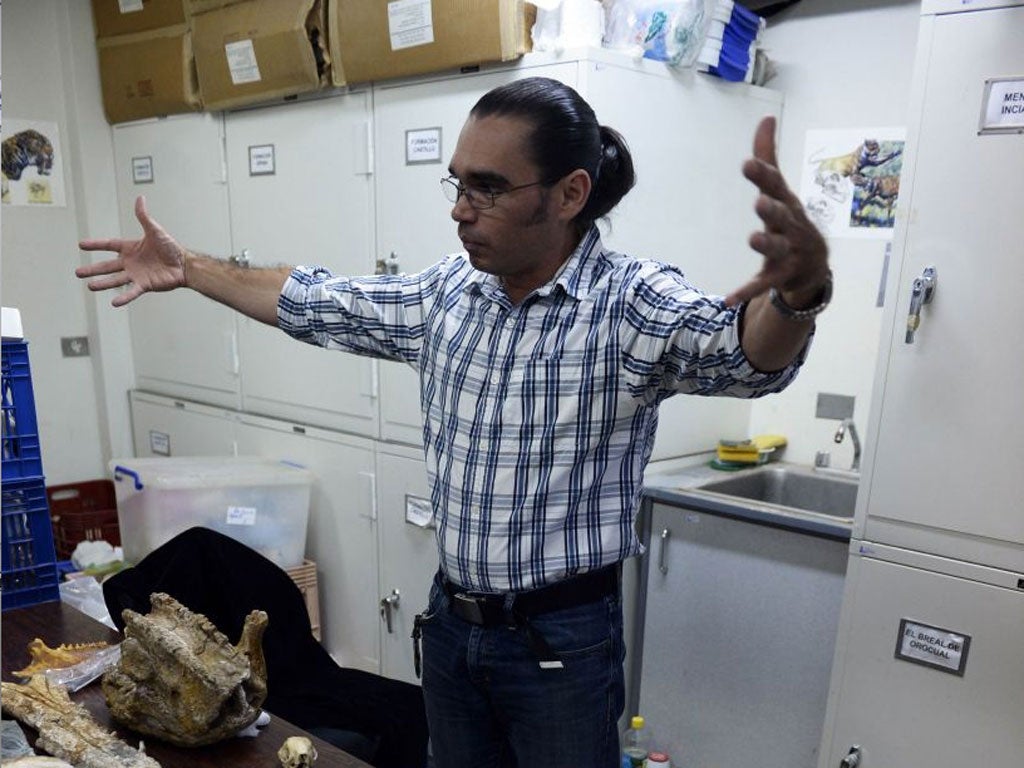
(852, 759)
(386, 605)
(921, 293)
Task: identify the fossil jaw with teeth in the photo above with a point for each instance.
(179, 678)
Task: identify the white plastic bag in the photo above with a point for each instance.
(672, 31)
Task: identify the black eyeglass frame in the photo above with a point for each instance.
(486, 199)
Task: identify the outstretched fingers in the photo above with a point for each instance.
(108, 267)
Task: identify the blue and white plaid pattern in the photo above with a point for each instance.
(539, 418)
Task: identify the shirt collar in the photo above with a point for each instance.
(575, 276)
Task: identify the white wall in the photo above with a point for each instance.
(51, 76)
(841, 64)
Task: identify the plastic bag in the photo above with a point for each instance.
(86, 594)
(672, 31)
(84, 672)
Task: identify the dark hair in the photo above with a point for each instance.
(566, 136)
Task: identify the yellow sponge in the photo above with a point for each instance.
(752, 451)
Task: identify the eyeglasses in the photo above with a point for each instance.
(478, 198)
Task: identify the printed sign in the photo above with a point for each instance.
(142, 170)
(418, 511)
(261, 160)
(410, 23)
(242, 62)
(423, 146)
(1002, 109)
(932, 646)
(159, 443)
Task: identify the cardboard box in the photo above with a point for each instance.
(129, 17)
(202, 6)
(258, 50)
(148, 74)
(379, 40)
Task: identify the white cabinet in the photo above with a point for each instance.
(943, 469)
(902, 713)
(315, 207)
(737, 640)
(342, 533)
(938, 532)
(688, 136)
(183, 344)
(166, 426)
(408, 553)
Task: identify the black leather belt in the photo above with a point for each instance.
(489, 609)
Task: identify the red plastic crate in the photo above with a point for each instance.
(85, 511)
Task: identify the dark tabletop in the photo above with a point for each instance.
(56, 623)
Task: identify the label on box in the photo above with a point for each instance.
(242, 62)
(129, 6)
(241, 516)
(410, 23)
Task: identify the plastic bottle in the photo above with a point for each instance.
(634, 746)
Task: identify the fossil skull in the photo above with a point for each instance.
(179, 678)
(297, 752)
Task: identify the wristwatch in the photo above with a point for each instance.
(801, 315)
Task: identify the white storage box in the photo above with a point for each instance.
(260, 502)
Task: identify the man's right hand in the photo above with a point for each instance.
(154, 263)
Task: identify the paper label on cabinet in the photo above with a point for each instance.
(410, 23)
(159, 443)
(129, 6)
(1003, 108)
(242, 62)
(932, 646)
(241, 516)
(418, 511)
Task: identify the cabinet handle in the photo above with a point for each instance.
(663, 552)
(921, 293)
(852, 759)
(386, 604)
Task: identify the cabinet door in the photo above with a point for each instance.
(738, 637)
(341, 537)
(943, 431)
(165, 426)
(183, 344)
(908, 714)
(413, 217)
(408, 553)
(311, 204)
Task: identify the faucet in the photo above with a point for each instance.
(847, 425)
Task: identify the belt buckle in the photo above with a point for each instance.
(469, 608)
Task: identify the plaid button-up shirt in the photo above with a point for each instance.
(539, 418)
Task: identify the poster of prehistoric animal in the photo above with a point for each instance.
(32, 164)
(850, 181)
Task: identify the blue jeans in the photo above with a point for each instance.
(490, 705)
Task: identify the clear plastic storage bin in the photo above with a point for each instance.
(260, 502)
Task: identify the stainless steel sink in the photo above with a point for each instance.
(790, 486)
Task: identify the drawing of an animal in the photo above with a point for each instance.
(23, 149)
(831, 169)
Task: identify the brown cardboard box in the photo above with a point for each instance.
(128, 17)
(202, 6)
(259, 50)
(376, 40)
(148, 74)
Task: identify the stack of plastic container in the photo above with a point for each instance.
(731, 43)
(27, 558)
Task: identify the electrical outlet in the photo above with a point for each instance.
(74, 346)
(837, 407)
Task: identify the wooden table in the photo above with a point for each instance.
(56, 623)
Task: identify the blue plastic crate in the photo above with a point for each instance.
(29, 563)
(20, 433)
